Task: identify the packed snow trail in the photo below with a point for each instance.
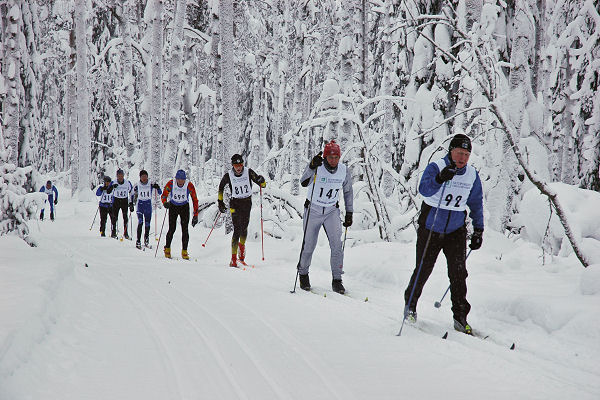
(131, 326)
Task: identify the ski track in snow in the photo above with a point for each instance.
(187, 329)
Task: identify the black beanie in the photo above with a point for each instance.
(460, 141)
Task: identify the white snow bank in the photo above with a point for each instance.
(590, 280)
(582, 207)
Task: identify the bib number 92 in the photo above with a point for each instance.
(449, 199)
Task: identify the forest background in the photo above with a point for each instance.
(87, 87)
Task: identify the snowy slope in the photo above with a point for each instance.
(131, 326)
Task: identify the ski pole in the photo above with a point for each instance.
(305, 225)
(97, 209)
(155, 222)
(412, 291)
(161, 229)
(344, 245)
(438, 304)
(215, 224)
(262, 232)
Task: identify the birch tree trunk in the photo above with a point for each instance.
(128, 83)
(229, 113)
(174, 102)
(12, 66)
(72, 144)
(156, 104)
(83, 122)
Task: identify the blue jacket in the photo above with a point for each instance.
(448, 221)
(108, 190)
(50, 196)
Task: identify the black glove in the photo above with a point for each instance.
(194, 221)
(115, 185)
(167, 204)
(446, 174)
(222, 207)
(131, 206)
(316, 162)
(56, 202)
(348, 219)
(155, 186)
(103, 188)
(476, 239)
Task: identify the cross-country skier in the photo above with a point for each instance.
(52, 193)
(240, 181)
(325, 179)
(106, 206)
(142, 195)
(175, 198)
(449, 186)
(122, 189)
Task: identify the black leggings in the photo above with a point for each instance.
(104, 213)
(121, 204)
(182, 211)
(454, 246)
(240, 218)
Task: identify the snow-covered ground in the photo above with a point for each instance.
(131, 326)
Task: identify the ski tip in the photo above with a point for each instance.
(203, 245)
(512, 347)
(366, 299)
(86, 265)
(445, 335)
(324, 294)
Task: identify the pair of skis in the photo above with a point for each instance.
(475, 334)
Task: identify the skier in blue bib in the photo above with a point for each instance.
(142, 195)
(52, 193)
(326, 178)
(105, 206)
(448, 186)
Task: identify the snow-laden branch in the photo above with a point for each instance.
(113, 43)
(450, 118)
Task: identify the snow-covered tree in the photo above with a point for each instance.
(83, 126)
(17, 206)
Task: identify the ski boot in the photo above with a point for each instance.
(461, 325)
(336, 286)
(41, 216)
(167, 252)
(102, 234)
(113, 233)
(304, 282)
(242, 251)
(410, 314)
(146, 241)
(233, 262)
(51, 216)
(125, 233)
(185, 255)
(138, 244)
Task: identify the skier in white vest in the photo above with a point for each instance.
(325, 178)
(240, 181)
(122, 189)
(175, 197)
(448, 187)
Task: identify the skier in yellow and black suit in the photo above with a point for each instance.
(240, 181)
